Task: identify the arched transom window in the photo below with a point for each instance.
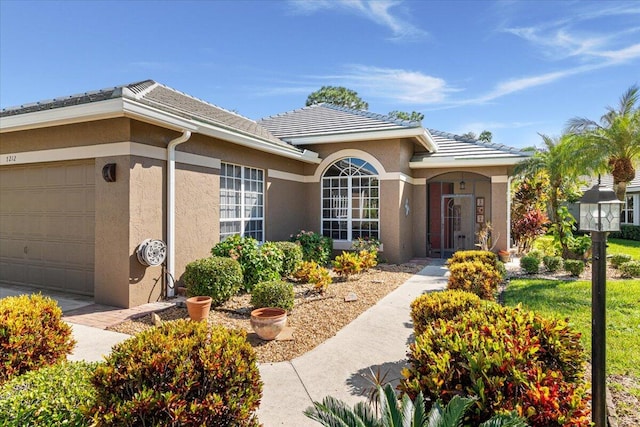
(350, 200)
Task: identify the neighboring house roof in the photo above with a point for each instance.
(327, 123)
(164, 104)
(607, 181)
(455, 150)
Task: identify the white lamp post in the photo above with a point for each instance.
(599, 214)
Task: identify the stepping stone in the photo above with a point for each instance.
(157, 321)
(351, 296)
(286, 334)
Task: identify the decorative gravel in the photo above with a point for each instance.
(314, 318)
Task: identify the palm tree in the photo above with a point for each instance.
(613, 145)
(405, 413)
(555, 159)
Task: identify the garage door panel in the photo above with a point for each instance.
(47, 225)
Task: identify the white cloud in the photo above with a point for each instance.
(377, 11)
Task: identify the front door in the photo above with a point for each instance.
(456, 224)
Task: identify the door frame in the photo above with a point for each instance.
(444, 250)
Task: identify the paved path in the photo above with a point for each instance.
(378, 338)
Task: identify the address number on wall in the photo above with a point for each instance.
(11, 158)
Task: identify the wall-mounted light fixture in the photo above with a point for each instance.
(109, 172)
(462, 183)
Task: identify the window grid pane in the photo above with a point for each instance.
(350, 200)
(241, 201)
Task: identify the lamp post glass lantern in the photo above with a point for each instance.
(599, 214)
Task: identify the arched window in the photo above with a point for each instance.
(350, 200)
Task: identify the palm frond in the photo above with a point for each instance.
(506, 420)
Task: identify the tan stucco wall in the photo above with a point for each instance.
(286, 209)
(74, 135)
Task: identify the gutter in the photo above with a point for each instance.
(171, 209)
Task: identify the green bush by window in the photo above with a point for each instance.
(292, 255)
(217, 277)
(315, 247)
(32, 334)
(276, 293)
(180, 373)
(54, 395)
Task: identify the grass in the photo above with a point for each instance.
(620, 246)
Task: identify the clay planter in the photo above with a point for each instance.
(198, 307)
(268, 322)
(504, 256)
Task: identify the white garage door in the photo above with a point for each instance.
(47, 220)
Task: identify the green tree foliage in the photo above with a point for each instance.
(337, 95)
(613, 145)
(413, 116)
(556, 161)
(485, 136)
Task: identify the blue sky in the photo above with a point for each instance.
(516, 68)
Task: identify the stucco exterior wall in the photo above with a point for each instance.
(286, 210)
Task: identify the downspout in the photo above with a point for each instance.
(171, 209)
(509, 213)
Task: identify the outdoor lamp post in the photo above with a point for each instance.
(599, 214)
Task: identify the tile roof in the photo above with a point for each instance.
(461, 148)
(607, 181)
(327, 119)
(159, 96)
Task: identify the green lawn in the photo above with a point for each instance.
(619, 246)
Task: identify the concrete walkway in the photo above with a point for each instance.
(378, 338)
(339, 367)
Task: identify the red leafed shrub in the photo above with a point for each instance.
(182, 373)
(509, 359)
(32, 334)
(526, 227)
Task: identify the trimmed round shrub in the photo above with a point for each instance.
(618, 259)
(536, 253)
(530, 264)
(276, 293)
(477, 277)
(574, 266)
(258, 263)
(217, 277)
(181, 373)
(54, 395)
(507, 358)
(315, 247)
(630, 269)
(445, 305)
(32, 334)
(486, 257)
(552, 263)
(292, 255)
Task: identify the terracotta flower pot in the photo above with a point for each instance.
(268, 322)
(198, 307)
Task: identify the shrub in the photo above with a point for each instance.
(218, 277)
(486, 257)
(292, 255)
(536, 253)
(441, 305)
(552, 263)
(578, 246)
(347, 264)
(630, 269)
(368, 244)
(311, 272)
(273, 294)
(51, 396)
(315, 247)
(258, 263)
(32, 334)
(628, 232)
(530, 264)
(509, 359)
(574, 266)
(180, 373)
(618, 259)
(474, 276)
(368, 259)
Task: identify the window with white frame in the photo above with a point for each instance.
(241, 201)
(350, 200)
(627, 213)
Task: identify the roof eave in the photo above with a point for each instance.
(421, 134)
(449, 162)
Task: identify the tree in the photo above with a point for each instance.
(555, 160)
(414, 116)
(485, 136)
(337, 95)
(469, 135)
(613, 145)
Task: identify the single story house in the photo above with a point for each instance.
(85, 179)
(629, 211)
